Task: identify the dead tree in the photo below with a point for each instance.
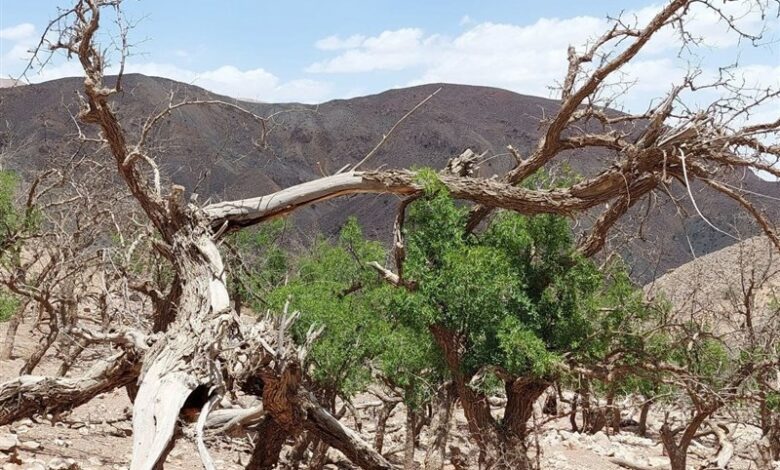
(197, 343)
(728, 305)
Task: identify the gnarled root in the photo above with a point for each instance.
(29, 395)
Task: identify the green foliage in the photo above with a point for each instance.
(333, 287)
(12, 220)
(519, 292)
(708, 359)
(9, 305)
(11, 223)
(772, 401)
(410, 361)
(265, 262)
(524, 351)
(9, 215)
(430, 181)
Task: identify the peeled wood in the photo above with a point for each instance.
(231, 418)
(31, 394)
(635, 466)
(201, 326)
(348, 442)
(7, 347)
(176, 367)
(488, 192)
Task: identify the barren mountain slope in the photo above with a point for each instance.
(217, 152)
(713, 282)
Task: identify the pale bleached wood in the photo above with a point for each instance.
(205, 457)
(31, 394)
(155, 411)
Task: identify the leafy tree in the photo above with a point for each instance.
(259, 261)
(9, 305)
(516, 301)
(362, 341)
(332, 287)
(12, 223)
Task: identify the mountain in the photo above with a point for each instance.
(217, 152)
(9, 82)
(714, 286)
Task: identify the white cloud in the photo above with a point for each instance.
(759, 75)
(334, 43)
(532, 58)
(527, 58)
(708, 26)
(255, 84)
(18, 32)
(17, 41)
(391, 50)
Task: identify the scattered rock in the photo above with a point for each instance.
(121, 430)
(551, 439)
(558, 462)
(600, 438)
(634, 440)
(62, 464)
(657, 461)
(620, 452)
(31, 446)
(8, 443)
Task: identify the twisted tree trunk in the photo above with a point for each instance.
(410, 439)
(643, 415)
(7, 348)
(268, 445)
(185, 360)
(440, 429)
(29, 395)
(381, 424)
(502, 444)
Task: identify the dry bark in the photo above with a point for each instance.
(381, 423)
(7, 348)
(410, 439)
(440, 428)
(29, 395)
(643, 415)
(268, 445)
(202, 342)
(502, 443)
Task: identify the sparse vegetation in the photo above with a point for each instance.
(499, 314)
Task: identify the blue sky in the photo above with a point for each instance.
(314, 51)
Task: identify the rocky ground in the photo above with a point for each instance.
(97, 436)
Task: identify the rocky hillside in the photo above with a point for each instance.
(218, 154)
(716, 284)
